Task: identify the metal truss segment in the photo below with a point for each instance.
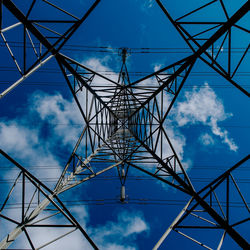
(223, 196)
(37, 209)
(31, 32)
(215, 55)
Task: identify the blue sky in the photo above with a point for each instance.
(208, 125)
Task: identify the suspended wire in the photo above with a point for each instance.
(212, 167)
(129, 178)
(115, 50)
(63, 85)
(129, 201)
(52, 124)
(136, 73)
(109, 73)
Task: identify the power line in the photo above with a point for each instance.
(109, 72)
(62, 84)
(212, 167)
(115, 50)
(131, 178)
(129, 201)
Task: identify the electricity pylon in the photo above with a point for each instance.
(125, 125)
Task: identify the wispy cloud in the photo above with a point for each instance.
(206, 139)
(147, 4)
(62, 114)
(25, 146)
(125, 229)
(201, 105)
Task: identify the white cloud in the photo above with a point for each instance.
(177, 139)
(206, 139)
(223, 134)
(203, 106)
(10, 131)
(101, 65)
(157, 67)
(32, 145)
(62, 114)
(81, 213)
(24, 145)
(148, 4)
(127, 227)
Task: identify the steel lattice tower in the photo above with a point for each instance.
(124, 124)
